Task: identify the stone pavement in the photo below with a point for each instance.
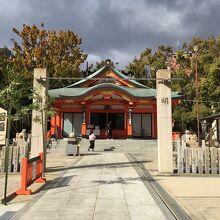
(13, 183)
(56, 161)
(100, 186)
(198, 195)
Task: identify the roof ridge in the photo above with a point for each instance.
(131, 80)
(90, 76)
(112, 68)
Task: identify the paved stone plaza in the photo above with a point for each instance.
(105, 183)
(100, 186)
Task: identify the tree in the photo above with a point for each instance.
(5, 56)
(184, 68)
(209, 80)
(15, 95)
(154, 61)
(58, 52)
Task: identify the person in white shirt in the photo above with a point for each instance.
(92, 140)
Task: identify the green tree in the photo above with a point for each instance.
(15, 96)
(59, 52)
(184, 67)
(208, 80)
(5, 56)
(154, 60)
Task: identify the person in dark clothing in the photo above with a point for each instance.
(109, 130)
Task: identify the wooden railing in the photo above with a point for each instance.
(32, 171)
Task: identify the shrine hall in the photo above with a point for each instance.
(106, 95)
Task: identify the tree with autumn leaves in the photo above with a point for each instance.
(35, 47)
(57, 51)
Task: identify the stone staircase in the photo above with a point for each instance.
(114, 145)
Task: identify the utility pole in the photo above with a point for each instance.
(197, 95)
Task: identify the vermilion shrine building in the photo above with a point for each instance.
(93, 102)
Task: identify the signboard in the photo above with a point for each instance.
(3, 125)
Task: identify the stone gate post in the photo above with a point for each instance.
(164, 122)
(39, 116)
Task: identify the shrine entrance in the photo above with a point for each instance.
(100, 121)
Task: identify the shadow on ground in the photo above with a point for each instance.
(106, 165)
(118, 180)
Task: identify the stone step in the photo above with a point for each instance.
(129, 145)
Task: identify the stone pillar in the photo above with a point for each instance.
(39, 126)
(200, 160)
(2, 161)
(187, 156)
(194, 160)
(180, 157)
(164, 122)
(218, 150)
(214, 160)
(207, 160)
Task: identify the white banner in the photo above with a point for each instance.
(3, 126)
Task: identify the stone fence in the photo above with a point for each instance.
(15, 155)
(196, 160)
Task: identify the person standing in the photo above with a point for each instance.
(92, 138)
(109, 130)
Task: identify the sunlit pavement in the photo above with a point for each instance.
(100, 186)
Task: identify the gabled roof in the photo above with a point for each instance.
(79, 92)
(127, 86)
(88, 77)
(115, 71)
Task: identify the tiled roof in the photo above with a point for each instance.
(135, 92)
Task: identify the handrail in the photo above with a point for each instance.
(32, 171)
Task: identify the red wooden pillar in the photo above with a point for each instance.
(53, 125)
(84, 122)
(85, 118)
(58, 125)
